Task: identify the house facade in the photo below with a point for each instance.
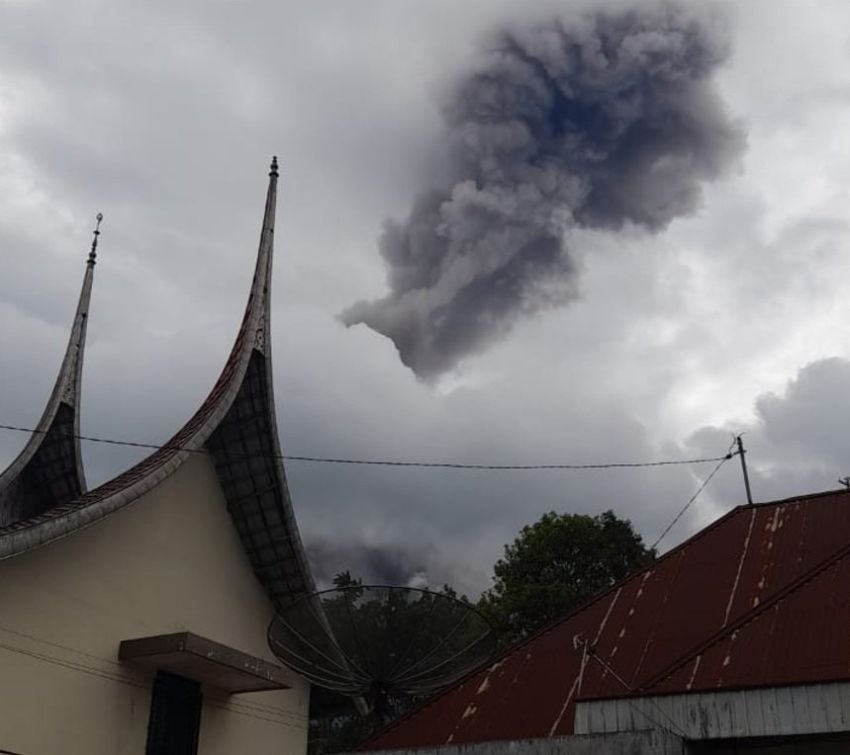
(133, 616)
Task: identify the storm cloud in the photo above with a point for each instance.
(603, 121)
(386, 564)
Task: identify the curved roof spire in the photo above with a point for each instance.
(237, 427)
(49, 470)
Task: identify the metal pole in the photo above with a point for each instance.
(741, 453)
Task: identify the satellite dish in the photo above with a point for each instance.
(384, 644)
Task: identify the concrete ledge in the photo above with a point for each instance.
(204, 661)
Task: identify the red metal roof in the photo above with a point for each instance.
(798, 636)
(760, 581)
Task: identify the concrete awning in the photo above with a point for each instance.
(205, 661)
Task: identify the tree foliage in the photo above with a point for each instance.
(556, 564)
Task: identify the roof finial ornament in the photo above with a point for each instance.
(273, 171)
(96, 233)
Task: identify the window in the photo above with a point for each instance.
(175, 716)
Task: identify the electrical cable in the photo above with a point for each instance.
(73, 666)
(720, 462)
(240, 708)
(391, 463)
(633, 703)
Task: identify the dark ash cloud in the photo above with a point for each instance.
(388, 564)
(600, 122)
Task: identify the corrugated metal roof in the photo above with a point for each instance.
(798, 636)
(764, 555)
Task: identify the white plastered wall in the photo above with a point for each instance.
(171, 561)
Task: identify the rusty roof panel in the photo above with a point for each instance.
(733, 573)
(798, 636)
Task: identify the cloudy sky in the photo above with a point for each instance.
(731, 317)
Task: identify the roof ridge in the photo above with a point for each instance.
(802, 497)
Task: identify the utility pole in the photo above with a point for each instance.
(741, 453)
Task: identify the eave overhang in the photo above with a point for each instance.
(206, 662)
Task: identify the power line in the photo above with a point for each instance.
(720, 462)
(392, 463)
(119, 674)
(74, 666)
(591, 652)
(503, 467)
(240, 709)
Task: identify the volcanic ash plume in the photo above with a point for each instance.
(607, 120)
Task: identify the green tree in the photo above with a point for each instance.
(557, 563)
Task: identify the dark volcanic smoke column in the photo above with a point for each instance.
(598, 122)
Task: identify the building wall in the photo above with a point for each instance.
(803, 709)
(170, 562)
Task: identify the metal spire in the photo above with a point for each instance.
(93, 253)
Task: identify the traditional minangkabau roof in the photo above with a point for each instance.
(237, 427)
(757, 599)
(49, 470)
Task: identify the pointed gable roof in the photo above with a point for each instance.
(755, 599)
(236, 425)
(49, 469)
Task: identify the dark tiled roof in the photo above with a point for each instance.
(50, 474)
(765, 576)
(246, 454)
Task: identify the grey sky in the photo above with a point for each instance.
(164, 118)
